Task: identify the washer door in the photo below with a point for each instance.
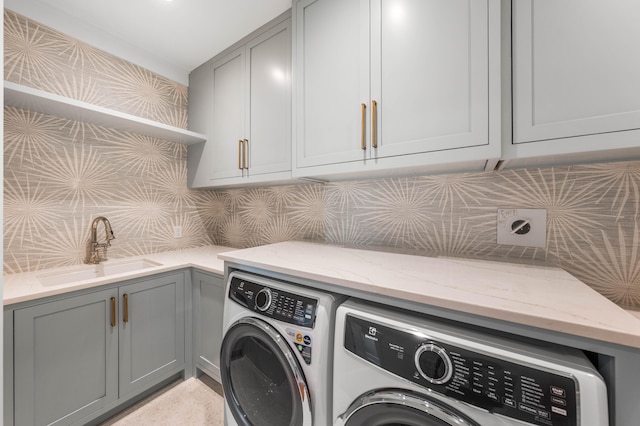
(402, 408)
(262, 380)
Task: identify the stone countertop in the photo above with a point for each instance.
(26, 286)
(544, 297)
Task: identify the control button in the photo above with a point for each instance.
(558, 401)
(299, 337)
(544, 414)
(263, 299)
(307, 340)
(492, 395)
(509, 402)
(433, 363)
(559, 410)
(528, 409)
(556, 391)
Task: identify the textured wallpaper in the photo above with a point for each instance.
(40, 57)
(59, 174)
(592, 218)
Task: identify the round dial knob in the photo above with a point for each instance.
(433, 363)
(263, 299)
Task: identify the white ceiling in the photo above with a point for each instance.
(169, 37)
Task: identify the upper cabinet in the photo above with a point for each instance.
(396, 84)
(242, 100)
(576, 81)
(420, 86)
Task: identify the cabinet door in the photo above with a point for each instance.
(228, 126)
(332, 80)
(430, 75)
(66, 359)
(208, 300)
(152, 334)
(200, 156)
(576, 69)
(269, 99)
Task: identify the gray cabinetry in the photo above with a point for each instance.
(152, 338)
(76, 358)
(242, 100)
(228, 115)
(208, 305)
(66, 359)
(382, 84)
(576, 81)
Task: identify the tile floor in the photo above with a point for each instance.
(193, 402)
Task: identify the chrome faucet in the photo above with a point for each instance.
(94, 255)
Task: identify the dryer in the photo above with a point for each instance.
(275, 359)
(393, 367)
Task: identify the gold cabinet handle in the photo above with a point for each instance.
(374, 133)
(240, 146)
(125, 314)
(113, 312)
(246, 150)
(363, 114)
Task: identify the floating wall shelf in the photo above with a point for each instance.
(49, 103)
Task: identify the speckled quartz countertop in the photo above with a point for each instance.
(548, 298)
(544, 297)
(27, 286)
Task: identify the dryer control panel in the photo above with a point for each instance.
(514, 389)
(273, 302)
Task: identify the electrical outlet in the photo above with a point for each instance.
(522, 227)
(177, 232)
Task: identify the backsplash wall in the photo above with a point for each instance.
(60, 174)
(592, 218)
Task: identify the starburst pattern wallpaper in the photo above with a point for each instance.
(60, 174)
(40, 57)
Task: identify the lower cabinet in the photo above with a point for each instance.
(152, 332)
(78, 357)
(208, 305)
(66, 359)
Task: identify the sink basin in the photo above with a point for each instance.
(87, 272)
(127, 266)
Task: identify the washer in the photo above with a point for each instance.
(392, 367)
(275, 359)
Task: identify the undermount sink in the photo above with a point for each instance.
(87, 272)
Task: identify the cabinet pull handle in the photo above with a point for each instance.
(113, 312)
(363, 128)
(240, 154)
(125, 314)
(246, 150)
(374, 133)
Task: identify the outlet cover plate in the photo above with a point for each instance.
(537, 220)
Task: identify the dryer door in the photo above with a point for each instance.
(262, 380)
(395, 407)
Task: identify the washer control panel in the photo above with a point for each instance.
(524, 392)
(273, 302)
